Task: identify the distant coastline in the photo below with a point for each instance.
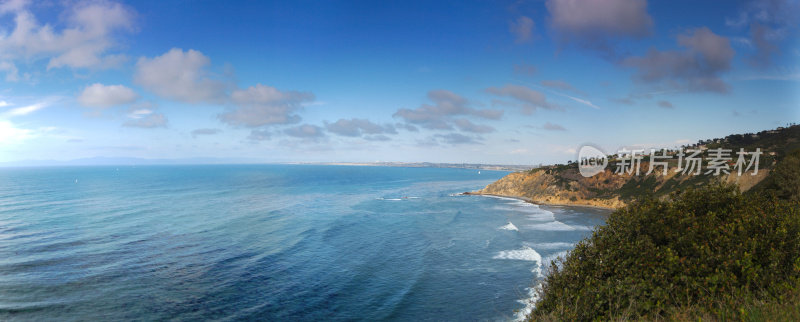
(475, 166)
(124, 161)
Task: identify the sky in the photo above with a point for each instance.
(503, 82)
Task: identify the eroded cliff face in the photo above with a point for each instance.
(543, 187)
(565, 185)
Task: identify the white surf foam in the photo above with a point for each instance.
(556, 226)
(542, 215)
(525, 254)
(502, 198)
(546, 261)
(549, 246)
(520, 208)
(550, 226)
(530, 303)
(509, 226)
(523, 203)
(533, 292)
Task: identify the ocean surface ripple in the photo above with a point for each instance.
(271, 242)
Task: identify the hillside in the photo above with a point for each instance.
(563, 184)
(708, 253)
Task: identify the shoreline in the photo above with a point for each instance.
(533, 296)
(529, 200)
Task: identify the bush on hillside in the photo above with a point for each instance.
(707, 248)
(786, 177)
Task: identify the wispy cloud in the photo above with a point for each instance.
(522, 29)
(778, 77)
(198, 132)
(148, 121)
(573, 98)
(530, 99)
(553, 127)
(25, 110)
(582, 101)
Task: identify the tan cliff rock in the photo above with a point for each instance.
(565, 186)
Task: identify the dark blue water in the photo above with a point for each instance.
(270, 242)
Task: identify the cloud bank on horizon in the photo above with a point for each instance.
(516, 82)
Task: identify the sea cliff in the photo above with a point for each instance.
(564, 185)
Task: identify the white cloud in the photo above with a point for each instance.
(148, 121)
(11, 134)
(139, 113)
(467, 126)
(355, 127)
(771, 23)
(440, 115)
(144, 115)
(553, 127)
(560, 85)
(593, 24)
(84, 42)
(184, 76)
(455, 139)
(259, 135)
(305, 131)
(199, 132)
(665, 104)
(13, 6)
(180, 75)
(263, 105)
(531, 99)
(698, 67)
(522, 29)
(99, 95)
(525, 69)
(583, 101)
(12, 73)
(25, 110)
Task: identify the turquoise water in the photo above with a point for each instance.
(271, 242)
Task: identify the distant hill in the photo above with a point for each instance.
(123, 161)
(563, 184)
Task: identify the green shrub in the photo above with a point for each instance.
(708, 248)
(786, 177)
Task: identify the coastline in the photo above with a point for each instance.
(533, 291)
(529, 200)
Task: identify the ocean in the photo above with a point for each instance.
(272, 242)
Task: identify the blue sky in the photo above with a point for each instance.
(517, 82)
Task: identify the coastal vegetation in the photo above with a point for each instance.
(709, 252)
(563, 183)
(706, 250)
